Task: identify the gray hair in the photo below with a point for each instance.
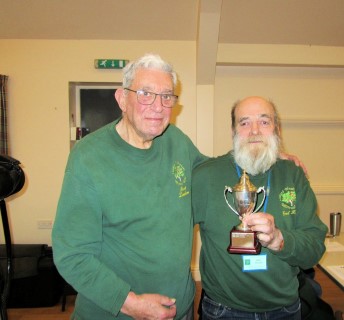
(148, 61)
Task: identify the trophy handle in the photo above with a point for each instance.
(260, 189)
(225, 195)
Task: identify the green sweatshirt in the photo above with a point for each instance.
(124, 221)
(292, 203)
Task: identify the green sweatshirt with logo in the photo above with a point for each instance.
(292, 203)
(124, 221)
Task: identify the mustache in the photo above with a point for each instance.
(254, 139)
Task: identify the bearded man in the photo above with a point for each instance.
(265, 285)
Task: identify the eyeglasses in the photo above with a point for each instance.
(148, 98)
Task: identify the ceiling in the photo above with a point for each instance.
(300, 22)
(207, 22)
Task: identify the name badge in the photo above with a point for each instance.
(254, 262)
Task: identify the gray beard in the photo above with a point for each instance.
(256, 158)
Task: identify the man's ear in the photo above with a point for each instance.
(120, 98)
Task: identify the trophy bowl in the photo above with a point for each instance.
(244, 197)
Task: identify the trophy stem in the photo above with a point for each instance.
(242, 227)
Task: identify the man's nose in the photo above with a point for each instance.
(157, 104)
(254, 128)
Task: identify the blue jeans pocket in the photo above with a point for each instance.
(293, 308)
(211, 309)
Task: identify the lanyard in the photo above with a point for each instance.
(267, 188)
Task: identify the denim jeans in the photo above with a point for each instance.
(212, 310)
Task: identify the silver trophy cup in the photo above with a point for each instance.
(244, 196)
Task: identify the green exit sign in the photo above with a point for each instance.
(110, 63)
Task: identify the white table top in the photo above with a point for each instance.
(332, 262)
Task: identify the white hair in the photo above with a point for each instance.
(148, 61)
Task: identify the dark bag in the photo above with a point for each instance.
(12, 176)
(312, 306)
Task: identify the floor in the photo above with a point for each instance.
(332, 294)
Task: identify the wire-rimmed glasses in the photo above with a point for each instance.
(147, 98)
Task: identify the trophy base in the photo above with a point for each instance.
(244, 242)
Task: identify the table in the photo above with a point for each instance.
(332, 262)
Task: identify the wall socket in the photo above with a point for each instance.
(45, 224)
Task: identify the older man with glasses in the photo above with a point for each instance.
(123, 231)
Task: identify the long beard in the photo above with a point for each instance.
(256, 158)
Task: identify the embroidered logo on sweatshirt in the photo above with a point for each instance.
(288, 201)
(180, 178)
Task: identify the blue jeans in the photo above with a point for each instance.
(212, 310)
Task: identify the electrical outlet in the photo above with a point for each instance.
(45, 224)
